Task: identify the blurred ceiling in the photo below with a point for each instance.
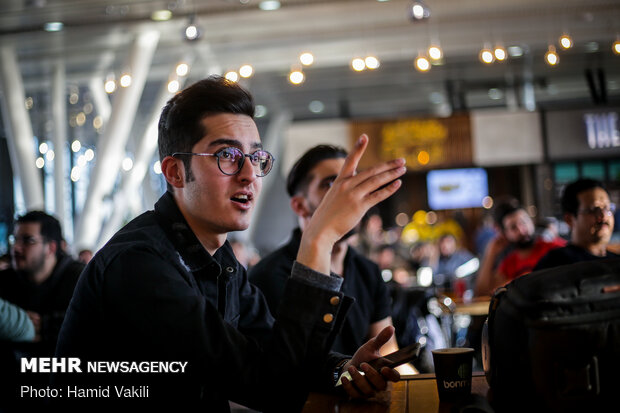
(97, 38)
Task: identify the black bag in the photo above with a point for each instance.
(552, 340)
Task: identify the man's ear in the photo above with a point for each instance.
(53, 247)
(173, 171)
(298, 205)
(569, 219)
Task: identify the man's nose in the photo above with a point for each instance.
(247, 171)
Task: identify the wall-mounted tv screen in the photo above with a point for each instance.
(456, 188)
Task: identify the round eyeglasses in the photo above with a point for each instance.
(230, 160)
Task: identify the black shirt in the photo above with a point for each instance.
(153, 293)
(569, 254)
(362, 281)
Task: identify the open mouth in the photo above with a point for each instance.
(241, 198)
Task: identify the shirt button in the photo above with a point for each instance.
(328, 318)
(335, 300)
(230, 269)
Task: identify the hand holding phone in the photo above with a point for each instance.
(395, 359)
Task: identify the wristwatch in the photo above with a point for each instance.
(338, 369)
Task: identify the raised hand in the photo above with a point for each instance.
(344, 205)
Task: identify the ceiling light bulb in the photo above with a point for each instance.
(616, 47)
(232, 76)
(43, 148)
(551, 57)
(269, 5)
(296, 77)
(358, 64)
(161, 15)
(157, 167)
(500, 53)
(566, 42)
(486, 56)
(419, 11)
(76, 146)
(109, 86)
(75, 173)
(246, 71)
(125, 80)
(422, 63)
(371, 62)
(127, 164)
(173, 86)
(435, 52)
(53, 26)
(191, 32)
(182, 69)
(306, 58)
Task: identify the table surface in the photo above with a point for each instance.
(413, 394)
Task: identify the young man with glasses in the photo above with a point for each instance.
(167, 287)
(590, 215)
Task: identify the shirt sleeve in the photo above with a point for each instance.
(15, 325)
(308, 276)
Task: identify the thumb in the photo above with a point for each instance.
(382, 338)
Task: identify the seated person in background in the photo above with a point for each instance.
(516, 231)
(85, 255)
(449, 259)
(41, 281)
(590, 215)
(307, 184)
(167, 286)
(43, 276)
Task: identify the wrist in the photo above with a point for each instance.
(339, 369)
(315, 253)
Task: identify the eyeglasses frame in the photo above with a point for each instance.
(217, 155)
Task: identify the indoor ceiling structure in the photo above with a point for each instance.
(97, 35)
(68, 49)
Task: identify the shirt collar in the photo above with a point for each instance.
(192, 254)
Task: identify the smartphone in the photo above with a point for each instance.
(395, 359)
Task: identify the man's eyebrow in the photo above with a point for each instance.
(234, 142)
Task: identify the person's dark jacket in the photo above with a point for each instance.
(154, 293)
(362, 281)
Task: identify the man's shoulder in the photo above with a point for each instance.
(278, 262)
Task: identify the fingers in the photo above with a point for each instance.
(350, 163)
(380, 339)
(390, 374)
(371, 179)
(363, 386)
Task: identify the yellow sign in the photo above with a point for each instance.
(420, 142)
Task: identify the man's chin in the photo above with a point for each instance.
(524, 244)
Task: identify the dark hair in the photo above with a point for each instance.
(298, 178)
(570, 203)
(50, 227)
(504, 207)
(180, 123)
